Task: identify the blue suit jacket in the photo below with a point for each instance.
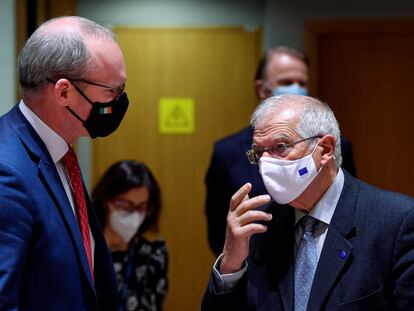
(43, 264)
(375, 230)
(229, 170)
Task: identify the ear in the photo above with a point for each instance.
(261, 91)
(327, 143)
(62, 90)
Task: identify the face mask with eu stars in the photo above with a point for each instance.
(285, 180)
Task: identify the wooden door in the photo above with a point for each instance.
(215, 67)
(364, 71)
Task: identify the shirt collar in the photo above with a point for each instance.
(326, 206)
(55, 144)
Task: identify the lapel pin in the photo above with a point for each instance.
(342, 254)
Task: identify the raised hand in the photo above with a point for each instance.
(241, 225)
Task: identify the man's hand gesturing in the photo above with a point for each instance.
(241, 225)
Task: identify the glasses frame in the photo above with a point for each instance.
(253, 156)
(118, 90)
(130, 207)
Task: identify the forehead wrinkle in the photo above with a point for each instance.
(286, 115)
(281, 131)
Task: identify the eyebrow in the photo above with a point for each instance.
(275, 138)
(280, 137)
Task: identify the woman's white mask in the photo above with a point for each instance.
(125, 223)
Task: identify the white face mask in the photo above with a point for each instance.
(286, 180)
(126, 224)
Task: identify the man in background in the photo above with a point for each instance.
(282, 70)
(52, 252)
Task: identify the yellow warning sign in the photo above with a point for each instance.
(176, 115)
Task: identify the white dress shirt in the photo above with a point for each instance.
(323, 211)
(57, 148)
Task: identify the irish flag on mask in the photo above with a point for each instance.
(105, 110)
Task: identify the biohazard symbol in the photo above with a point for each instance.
(177, 118)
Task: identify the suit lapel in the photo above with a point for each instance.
(336, 253)
(48, 174)
(337, 249)
(55, 188)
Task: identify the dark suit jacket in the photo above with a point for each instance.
(43, 265)
(373, 227)
(229, 170)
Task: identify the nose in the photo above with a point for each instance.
(266, 153)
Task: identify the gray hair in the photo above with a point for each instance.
(316, 118)
(57, 52)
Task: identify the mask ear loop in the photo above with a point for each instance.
(314, 149)
(75, 115)
(317, 144)
(84, 96)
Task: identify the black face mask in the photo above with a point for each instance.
(104, 118)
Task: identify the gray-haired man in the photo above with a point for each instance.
(331, 243)
(52, 253)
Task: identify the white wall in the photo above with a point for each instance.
(284, 21)
(7, 55)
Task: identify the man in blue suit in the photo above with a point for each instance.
(328, 241)
(282, 70)
(52, 253)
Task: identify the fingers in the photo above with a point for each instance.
(246, 231)
(241, 225)
(242, 221)
(241, 195)
(252, 203)
(253, 216)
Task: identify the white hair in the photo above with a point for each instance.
(316, 118)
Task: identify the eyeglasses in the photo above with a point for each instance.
(118, 90)
(129, 206)
(280, 149)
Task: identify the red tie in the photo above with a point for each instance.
(71, 163)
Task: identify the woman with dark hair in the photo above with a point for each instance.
(127, 201)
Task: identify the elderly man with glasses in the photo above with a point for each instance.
(281, 70)
(52, 253)
(321, 239)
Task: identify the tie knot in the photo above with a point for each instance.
(308, 223)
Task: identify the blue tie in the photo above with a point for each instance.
(306, 262)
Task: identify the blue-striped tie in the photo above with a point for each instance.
(306, 262)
